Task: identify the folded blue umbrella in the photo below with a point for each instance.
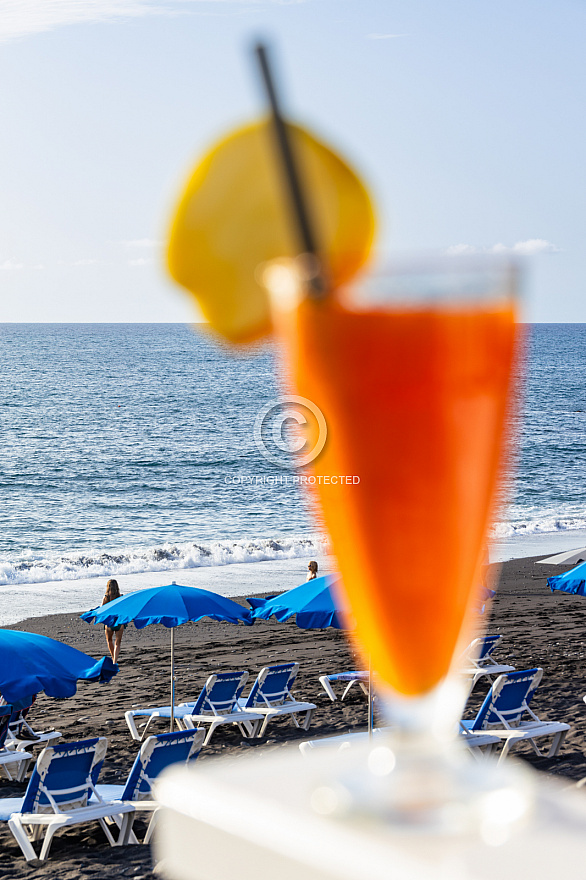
(573, 581)
(312, 604)
(31, 663)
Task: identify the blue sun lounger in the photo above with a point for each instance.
(478, 661)
(271, 696)
(156, 753)
(20, 734)
(58, 794)
(505, 707)
(350, 678)
(217, 704)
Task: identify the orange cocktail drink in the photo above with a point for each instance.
(415, 398)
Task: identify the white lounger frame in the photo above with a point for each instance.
(524, 730)
(27, 827)
(218, 715)
(9, 758)
(360, 678)
(276, 705)
(483, 667)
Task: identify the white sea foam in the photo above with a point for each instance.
(32, 569)
(543, 526)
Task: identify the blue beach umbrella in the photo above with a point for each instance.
(316, 606)
(573, 581)
(312, 604)
(171, 606)
(30, 663)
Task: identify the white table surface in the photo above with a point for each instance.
(247, 818)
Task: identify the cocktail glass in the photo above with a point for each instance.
(413, 370)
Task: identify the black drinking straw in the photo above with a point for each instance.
(298, 202)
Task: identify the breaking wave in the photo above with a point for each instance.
(545, 525)
(74, 566)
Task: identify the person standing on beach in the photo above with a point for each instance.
(113, 633)
(311, 570)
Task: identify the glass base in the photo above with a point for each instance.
(430, 788)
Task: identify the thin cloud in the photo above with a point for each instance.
(384, 36)
(455, 250)
(11, 265)
(84, 261)
(141, 261)
(142, 243)
(22, 18)
(530, 247)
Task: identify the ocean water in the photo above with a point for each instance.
(129, 451)
(549, 489)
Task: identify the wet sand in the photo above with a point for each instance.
(538, 629)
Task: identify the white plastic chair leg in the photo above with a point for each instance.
(307, 719)
(127, 835)
(22, 768)
(247, 728)
(210, 732)
(265, 723)
(475, 679)
(131, 725)
(21, 837)
(508, 743)
(251, 728)
(557, 743)
(49, 834)
(146, 727)
(4, 769)
(35, 832)
(347, 689)
(151, 827)
(107, 831)
(323, 680)
(482, 753)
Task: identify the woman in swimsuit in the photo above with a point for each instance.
(113, 592)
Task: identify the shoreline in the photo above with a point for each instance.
(237, 580)
(506, 577)
(234, 580)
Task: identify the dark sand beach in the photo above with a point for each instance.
(538, 629)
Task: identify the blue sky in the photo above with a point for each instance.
(466, 118)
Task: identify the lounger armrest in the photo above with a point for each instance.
(79, 815)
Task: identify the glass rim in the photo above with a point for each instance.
(441, 279)
(408, 281)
